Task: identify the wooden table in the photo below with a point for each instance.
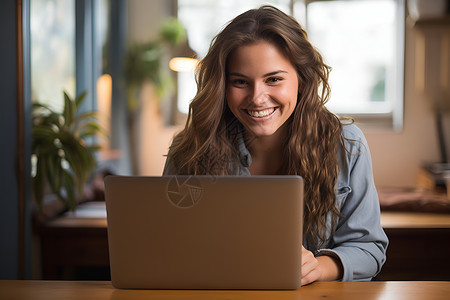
(100, 290)
(414, 220)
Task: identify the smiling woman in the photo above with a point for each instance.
(260, 110)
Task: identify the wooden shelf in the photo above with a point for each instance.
(441, 22)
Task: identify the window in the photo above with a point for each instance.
(362, 40)
(70, 42)
(67, 38)
(363, 43)
(52, 32)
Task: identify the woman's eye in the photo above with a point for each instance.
(274, 79)
(239, 82)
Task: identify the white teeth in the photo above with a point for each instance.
(261, 113)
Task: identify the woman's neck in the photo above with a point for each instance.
(266, 152)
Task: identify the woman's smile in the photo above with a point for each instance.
(262, 113)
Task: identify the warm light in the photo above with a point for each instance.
(104, 92)
(182, 64)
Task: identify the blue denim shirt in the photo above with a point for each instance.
(358, 240)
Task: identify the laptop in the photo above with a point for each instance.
(204, 232)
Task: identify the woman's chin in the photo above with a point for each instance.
(261, 132)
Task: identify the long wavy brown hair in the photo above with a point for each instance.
(205, 146)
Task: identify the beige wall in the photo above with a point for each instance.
(145, 17)
(144, 20)
(155, 137)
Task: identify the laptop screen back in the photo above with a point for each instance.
(201, 232)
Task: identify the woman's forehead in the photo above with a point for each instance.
(260, 56)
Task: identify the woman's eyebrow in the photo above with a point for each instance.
(237, 74)
(265, 75)
(274, 73)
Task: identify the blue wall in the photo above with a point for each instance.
(15, 239)
(8, 136)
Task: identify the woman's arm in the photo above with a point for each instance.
(359, 240)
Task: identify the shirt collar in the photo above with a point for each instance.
(236, 134)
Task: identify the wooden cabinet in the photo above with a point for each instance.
(75, 246)
(419, 246)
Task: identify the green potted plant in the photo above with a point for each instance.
(144, 61)
(62, 159)
(149, 62)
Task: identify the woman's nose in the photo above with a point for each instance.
(258, 93)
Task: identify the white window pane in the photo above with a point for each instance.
(358, 40)
(52, 31)
(186, 90)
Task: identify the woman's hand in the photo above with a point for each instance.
(322, 268)
(311, 270)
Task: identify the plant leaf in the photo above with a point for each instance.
(69, 187)
(39, 108)
(94, 147)
(69, 110)
(89, 129)
(38, 183)
(79, 100)
(85, 117)
(51, 136)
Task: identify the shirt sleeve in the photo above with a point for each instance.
(359, 240)
(169, 168)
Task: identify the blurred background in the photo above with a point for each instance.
(375, 58)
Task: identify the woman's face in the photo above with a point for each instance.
(262, 87)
